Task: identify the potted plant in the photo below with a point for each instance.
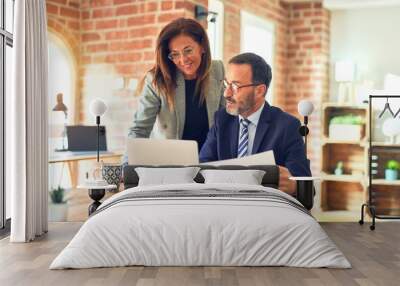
(58, 207)
(346, 127)
(391, 171)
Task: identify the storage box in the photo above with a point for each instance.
(345, 132)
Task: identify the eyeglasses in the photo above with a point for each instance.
(235, 87)
(174, 56)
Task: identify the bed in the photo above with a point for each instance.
(201, 224)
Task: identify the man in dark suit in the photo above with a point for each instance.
(249, 125)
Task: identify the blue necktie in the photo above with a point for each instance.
(244, 138)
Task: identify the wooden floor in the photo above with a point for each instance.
(374, 255)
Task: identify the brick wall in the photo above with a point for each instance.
(114, 39)
(308, 66)
(117, 41)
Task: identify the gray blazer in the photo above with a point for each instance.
(154, 119)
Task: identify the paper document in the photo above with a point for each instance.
(264, 158)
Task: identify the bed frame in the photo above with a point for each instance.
(270, 179)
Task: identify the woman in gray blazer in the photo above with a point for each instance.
(183, 90)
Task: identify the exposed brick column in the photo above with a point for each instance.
(308, 66)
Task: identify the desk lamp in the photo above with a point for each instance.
(305, 108)
(60, 106)
(97, 109)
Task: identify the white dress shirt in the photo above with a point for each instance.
(253, 118)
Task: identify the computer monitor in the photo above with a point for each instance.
(162, 152)
(84, 138)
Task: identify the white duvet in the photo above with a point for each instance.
(200, 231)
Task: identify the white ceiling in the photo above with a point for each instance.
(356, 4)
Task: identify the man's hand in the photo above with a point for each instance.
(286, 185)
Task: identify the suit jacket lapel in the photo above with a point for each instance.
(262, 127)
(180, 104)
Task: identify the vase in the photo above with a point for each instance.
(58, 212)
(390, 175)
(112, 175)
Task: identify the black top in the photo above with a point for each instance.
(196, 118)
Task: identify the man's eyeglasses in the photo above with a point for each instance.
(235, 87)
(174, 56)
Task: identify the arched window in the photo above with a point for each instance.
(62, 79)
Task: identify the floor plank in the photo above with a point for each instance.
(374, 255)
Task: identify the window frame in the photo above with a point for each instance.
(6, 39)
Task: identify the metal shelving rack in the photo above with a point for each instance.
(371, 182)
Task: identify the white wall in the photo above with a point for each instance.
(370, 38)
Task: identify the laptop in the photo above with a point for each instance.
(84, 138)
(162, 152)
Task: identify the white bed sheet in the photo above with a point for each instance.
(200, 231)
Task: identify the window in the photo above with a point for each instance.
(215, 29)
(257, 36)
(6, 44)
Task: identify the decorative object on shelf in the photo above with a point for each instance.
(305, 108)
(112, 175)
(391, 128)
(97, 109)
(339, 168)
(344, 75)
(60, 106)
(58, 207)
(346, 127)
(392, 169)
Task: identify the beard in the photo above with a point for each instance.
(242, 106)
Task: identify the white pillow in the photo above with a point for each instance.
(248, 177)
(165, 176)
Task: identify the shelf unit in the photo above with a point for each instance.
(386, 194)
(344, 193)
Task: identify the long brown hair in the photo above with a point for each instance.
(164, 70)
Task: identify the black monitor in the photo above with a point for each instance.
(84, 138)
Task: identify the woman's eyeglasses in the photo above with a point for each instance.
(235, 87)
(174, 56)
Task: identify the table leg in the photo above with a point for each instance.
(96, 195)
(73, 173)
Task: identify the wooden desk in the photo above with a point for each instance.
(72, 159)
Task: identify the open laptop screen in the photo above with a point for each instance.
(84, 138)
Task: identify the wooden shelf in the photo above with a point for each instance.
(340, 105)
(326, 140)
(343, 195)
(384, 144)
(385, 182)
(342, 178)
